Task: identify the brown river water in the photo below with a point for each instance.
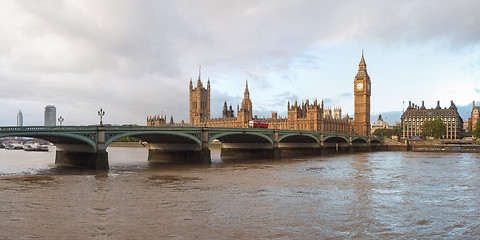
(378, 195)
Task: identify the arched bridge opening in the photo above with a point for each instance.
(168, 146)
(375, 142)
(62, 141)
(359, 141)
(298, 141)
(244, 145)
(241, 140)
(298, 144)
(335, 140)
(162, 140)
(72, 148)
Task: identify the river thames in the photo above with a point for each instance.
(378, 195)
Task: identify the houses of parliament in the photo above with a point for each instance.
(309, 116)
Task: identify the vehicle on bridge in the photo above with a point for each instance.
(257, 124)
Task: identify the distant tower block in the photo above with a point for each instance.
(19, 118)
(50, 118)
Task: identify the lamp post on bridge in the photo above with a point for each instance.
(60, 120)
(101, 113)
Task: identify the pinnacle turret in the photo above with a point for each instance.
(362, 65)
(247, 93)
(362, 68)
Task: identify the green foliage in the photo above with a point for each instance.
(476, 130)
(397, 130)
(433, 128)
(384, 132)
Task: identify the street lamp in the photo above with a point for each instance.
(60, 120)
(101, 113)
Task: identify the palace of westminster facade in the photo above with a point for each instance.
(309, 116)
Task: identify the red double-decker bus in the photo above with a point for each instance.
(257, 124)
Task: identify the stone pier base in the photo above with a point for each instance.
(329, 150)
(361, 148)
(300, 151)
(263, 153)
(186, 156)
(89, 160)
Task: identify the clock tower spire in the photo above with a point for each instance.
(362, 92)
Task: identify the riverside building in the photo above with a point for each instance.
(309, 116)
(414, 117)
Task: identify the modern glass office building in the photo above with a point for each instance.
(19, 118)
(50, 115)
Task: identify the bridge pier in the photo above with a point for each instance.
(187, 152)
(84, 156)
(300, 148)
(90, 160)
(250, 150)
(186, 156)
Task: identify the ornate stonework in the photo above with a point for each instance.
(362, 91)
(305, 116)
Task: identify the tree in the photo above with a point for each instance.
(397, 130)
(384, 132)
(439, 128)
(433, 128)
(476, 130)
(426, 130)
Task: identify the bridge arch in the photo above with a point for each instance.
(60, 139)
(158, 137)
(375, 141)
(359, 141)
(240, 137)
(298, 138)
(335, 139)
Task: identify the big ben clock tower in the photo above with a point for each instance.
(362, 90)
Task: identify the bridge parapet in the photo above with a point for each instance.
(90, 142)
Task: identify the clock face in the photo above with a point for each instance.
(359, 86)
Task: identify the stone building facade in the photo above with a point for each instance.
(473, 117)
(379, 124)
(310, 116)
(362, 91)
(414, 117)
(159, 121)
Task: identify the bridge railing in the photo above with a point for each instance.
(45, 128)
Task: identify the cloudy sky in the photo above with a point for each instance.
(135, 58)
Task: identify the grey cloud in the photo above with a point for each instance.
(259, 80)
(219, 98)
(131, 57)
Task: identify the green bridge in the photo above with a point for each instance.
(85, 146)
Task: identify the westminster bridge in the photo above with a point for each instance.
(85, 146)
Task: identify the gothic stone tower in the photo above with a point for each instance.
(199, 99)
(362, 92)
(245, 114)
